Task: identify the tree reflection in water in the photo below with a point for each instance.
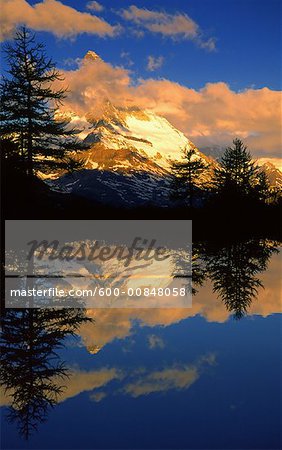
(33, 373)
(233, 270)
(31, 369)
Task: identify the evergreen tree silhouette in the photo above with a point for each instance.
(31, 371)
(29, 102)
(238, 177)
(186, 176)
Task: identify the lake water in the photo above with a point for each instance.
(205, 377)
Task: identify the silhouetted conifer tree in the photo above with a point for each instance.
(29, 102)
(238, 177)
(186, 176)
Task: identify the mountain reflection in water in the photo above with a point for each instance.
(35, 371)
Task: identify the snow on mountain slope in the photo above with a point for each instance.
(129, 155)
(129, 140)
(115, 133)
(121, 132)
(128, 159)
(157, 137)
(116, 189)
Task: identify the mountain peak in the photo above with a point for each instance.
(91, 56)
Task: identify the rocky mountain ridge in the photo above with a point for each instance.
(130, 153)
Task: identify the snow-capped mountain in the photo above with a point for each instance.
(131, 132)
(128, 158)
(129, 155)
(125, 138)
(122, 139)
(91, 56)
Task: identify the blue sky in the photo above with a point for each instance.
(247, 38)
(211, 67)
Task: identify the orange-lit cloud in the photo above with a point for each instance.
(142, 381)
(163, 381)
(79, 381)
(176, 26)
(53, 16)
(175, 377)
(213, 115)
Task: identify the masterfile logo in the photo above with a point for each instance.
(98, 264)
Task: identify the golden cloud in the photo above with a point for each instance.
(78, 381)
(175, 377)
(144, 382)
(53, 16)
(177, 26)
(81, 381)
(162, 381)
(213, 115)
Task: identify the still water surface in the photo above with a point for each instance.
(207, 377)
